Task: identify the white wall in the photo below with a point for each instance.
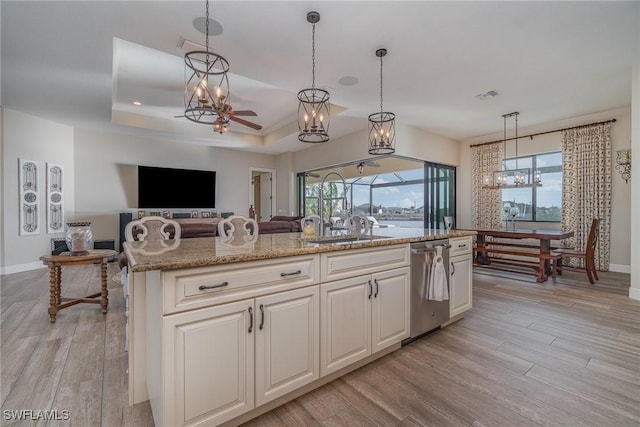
(2, 205)
(621, 191)
(285, 185)
(106, 174)
(634, 290)
(32, 138)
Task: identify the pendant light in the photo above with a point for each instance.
(382, 125)
(313, 107)
(512, 178)
(206, 93)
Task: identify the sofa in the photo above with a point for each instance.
(208, 227)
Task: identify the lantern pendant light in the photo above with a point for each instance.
(206, 94)
(382, 125)
(513, 178)
(313, 106)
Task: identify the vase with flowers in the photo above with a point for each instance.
(505, 212)
(513, 213)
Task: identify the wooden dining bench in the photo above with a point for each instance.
(538, 267)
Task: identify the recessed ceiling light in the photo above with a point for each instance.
(138, 103)
(348, 81)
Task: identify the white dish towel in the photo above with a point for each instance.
(426, 274)
(438, 289)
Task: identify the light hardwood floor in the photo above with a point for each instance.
(560, 354)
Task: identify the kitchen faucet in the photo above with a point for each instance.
(321, 198)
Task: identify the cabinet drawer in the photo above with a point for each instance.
(202, 287)
(340, 265)
(460, 246)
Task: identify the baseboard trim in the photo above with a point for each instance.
(620, 268)
(634, 293)
(19, 268)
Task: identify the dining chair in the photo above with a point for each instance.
(448, 222)
(151, 228)
(588, 254)
(237, 225)
(358, 224)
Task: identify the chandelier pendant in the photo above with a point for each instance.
(512, 178)
(382, 125)
(313, 105)
(206, 92)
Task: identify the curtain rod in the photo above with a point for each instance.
(544, 133)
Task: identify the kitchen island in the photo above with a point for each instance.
(223, 330)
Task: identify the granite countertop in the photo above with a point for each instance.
(207, 251)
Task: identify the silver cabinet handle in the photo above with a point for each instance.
(262, 316)
(453, 269)
(370, 289)
(250, 319)
(290, 274)
(221, 285)
(376, 282)
(462, 246)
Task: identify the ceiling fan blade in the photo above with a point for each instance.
(372, 164)
(245, 122)
(243, 113)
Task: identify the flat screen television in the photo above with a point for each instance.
(175, 188)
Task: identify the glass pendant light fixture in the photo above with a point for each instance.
(382, 125)
(206, 94)
(313, 106)
(512, 178)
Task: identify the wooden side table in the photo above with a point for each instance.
(55, 263)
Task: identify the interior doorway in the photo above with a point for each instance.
(262, 192)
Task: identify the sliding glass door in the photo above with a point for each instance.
(440, 194)
(392, 192)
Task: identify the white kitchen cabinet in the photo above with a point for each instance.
(390, 312)
(345, 325)
(275, 336)
(287, 342)
(204, 347)
(460, 288)
(361, 316)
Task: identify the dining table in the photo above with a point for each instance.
(541, 251)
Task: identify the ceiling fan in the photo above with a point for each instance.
(226, 114)
(360, 166)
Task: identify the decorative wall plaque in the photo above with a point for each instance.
(55, 198)
(29, 197)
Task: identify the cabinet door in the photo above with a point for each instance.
(209, 364)
(390, 308)
(345, 333)
(460, 284)
(287, 342)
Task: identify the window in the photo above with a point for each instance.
(417, 195)
(537, 204)
(334, 199)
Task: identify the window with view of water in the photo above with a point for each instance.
(417, 197)
(537, 204)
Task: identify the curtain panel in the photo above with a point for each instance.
(586, 188)
(486, 201)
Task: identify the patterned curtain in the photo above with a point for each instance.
(586, 188)
(486, 201)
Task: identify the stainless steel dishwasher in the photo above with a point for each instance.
(426, 315)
